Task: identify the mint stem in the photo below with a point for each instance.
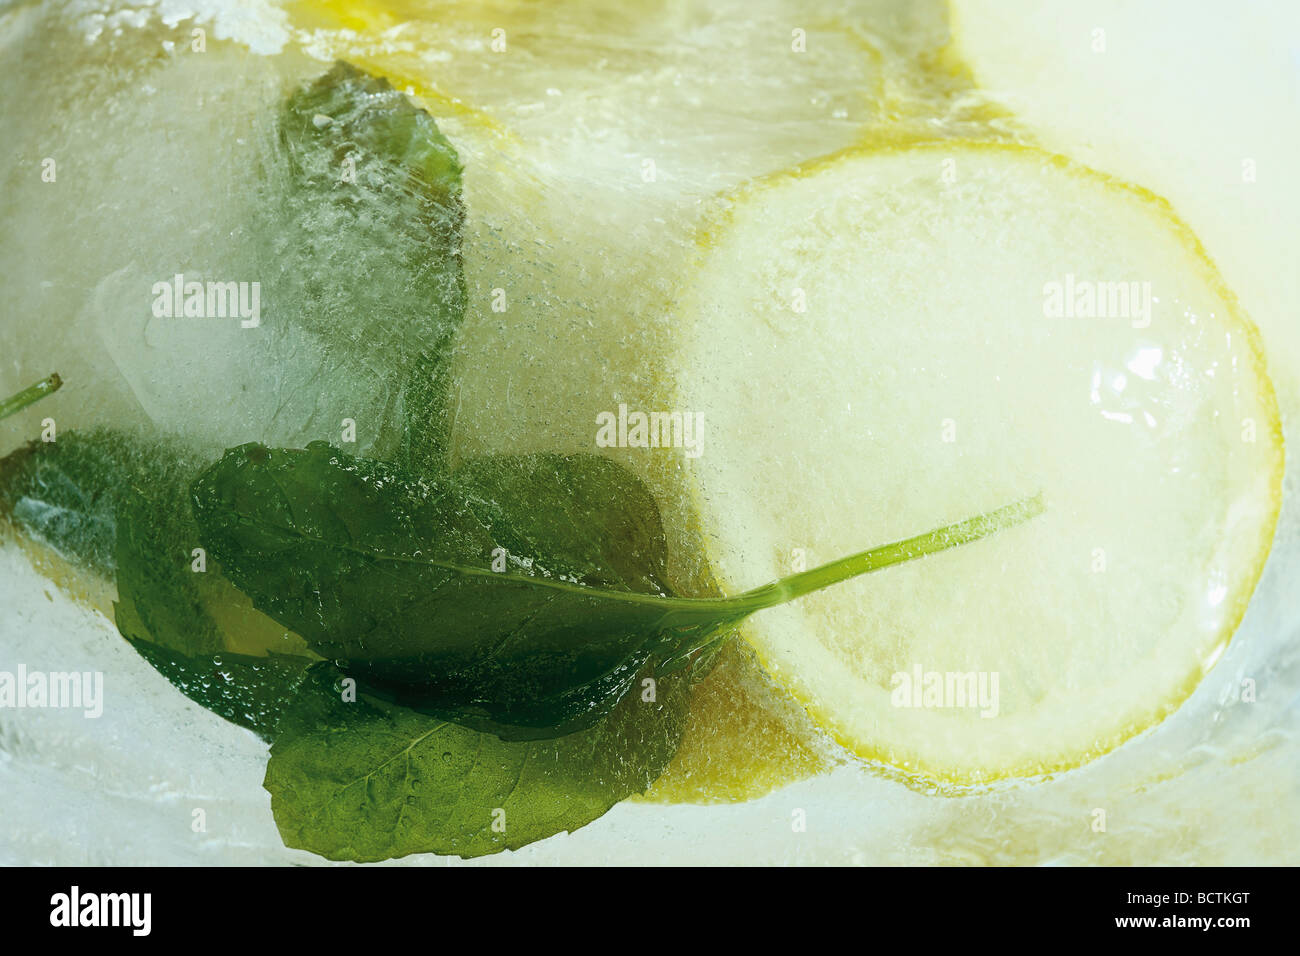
(29, 395)
(932, 542)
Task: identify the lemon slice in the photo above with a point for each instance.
(884, 342)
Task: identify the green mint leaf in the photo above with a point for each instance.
(178, 619)
(369, 780)
(159, 598)
(393, 576)
(249, 690)
(367, 242)
(106, 502)
(68, 494)
(109, 503)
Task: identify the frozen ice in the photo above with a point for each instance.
(171, 163)
(167, 161)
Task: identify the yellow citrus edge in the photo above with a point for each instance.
(355, 15)
(916, 773)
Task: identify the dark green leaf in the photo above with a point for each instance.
(169, 613)
(370, 780)
(392, 576)
(248, 690)
(159, 598)
(68, 494)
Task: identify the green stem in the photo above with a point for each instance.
(33, 393)
(932, 542)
